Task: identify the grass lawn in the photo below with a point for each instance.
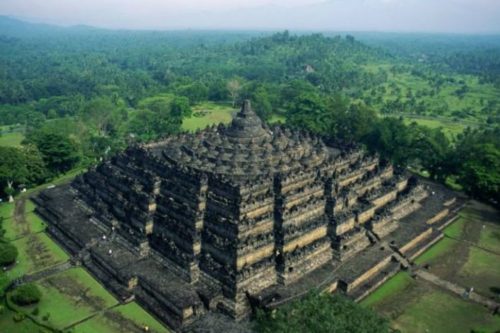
(490, 237)
(456, 229)
(13, 139)
(69, 297)
(128, 318)
(6, 210)
(395, 285)
(439, 249)
(8, 325)
(14, 230)
(206, 114)
(451, 129)
(29, 206)
(438, 311)
(481, 271)
(276, 118)
(36, 252)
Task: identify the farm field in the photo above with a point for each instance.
(465, 256)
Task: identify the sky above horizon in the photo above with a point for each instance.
(460, 16)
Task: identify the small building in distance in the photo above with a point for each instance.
(242, 216)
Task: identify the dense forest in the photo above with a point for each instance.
(80, 94)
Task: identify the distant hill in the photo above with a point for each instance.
(17, 28)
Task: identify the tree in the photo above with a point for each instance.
(261, 103)
(158, 116)
(431, 149)
(59, 152)
(12, 169)
(477, 161)
(391, 139)
(26, 294)
(480, 172)
(8, 254)
(321, 313)
(234, 88)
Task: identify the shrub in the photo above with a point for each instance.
(26, 295)
(8, 254)
(321, 313)
(18, 317)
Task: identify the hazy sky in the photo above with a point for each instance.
(381, 15)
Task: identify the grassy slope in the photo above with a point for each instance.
(392, 287)
(15, 231)
(69, 297)
(36, 252)
(131, 311)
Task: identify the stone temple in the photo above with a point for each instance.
(231, 218)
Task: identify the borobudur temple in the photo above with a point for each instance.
(242, 216)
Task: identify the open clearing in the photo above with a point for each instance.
(207, 114)
(12, 139)
(467, 257)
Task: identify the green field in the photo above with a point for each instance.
(438, 311)
(69, 297)
(36, 252)
(414, 305)
(13, 230)
(124, 318)
(439, 249)
(397, 284)
(451, 129)
(6, 210)
(207, 114)
(442, 101)
(12, 139)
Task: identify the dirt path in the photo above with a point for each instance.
(19, 217)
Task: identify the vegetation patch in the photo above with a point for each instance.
(27, 294)
(207, 114)
(36, 252)
(12, 139)
(69, 297)
(456, 229)
(321, 313)
(6, 210)
(124, 318)
(438, 311)
(30, 224)
(481, 271)
(394, 286)
(8, 254)
(438, 250)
